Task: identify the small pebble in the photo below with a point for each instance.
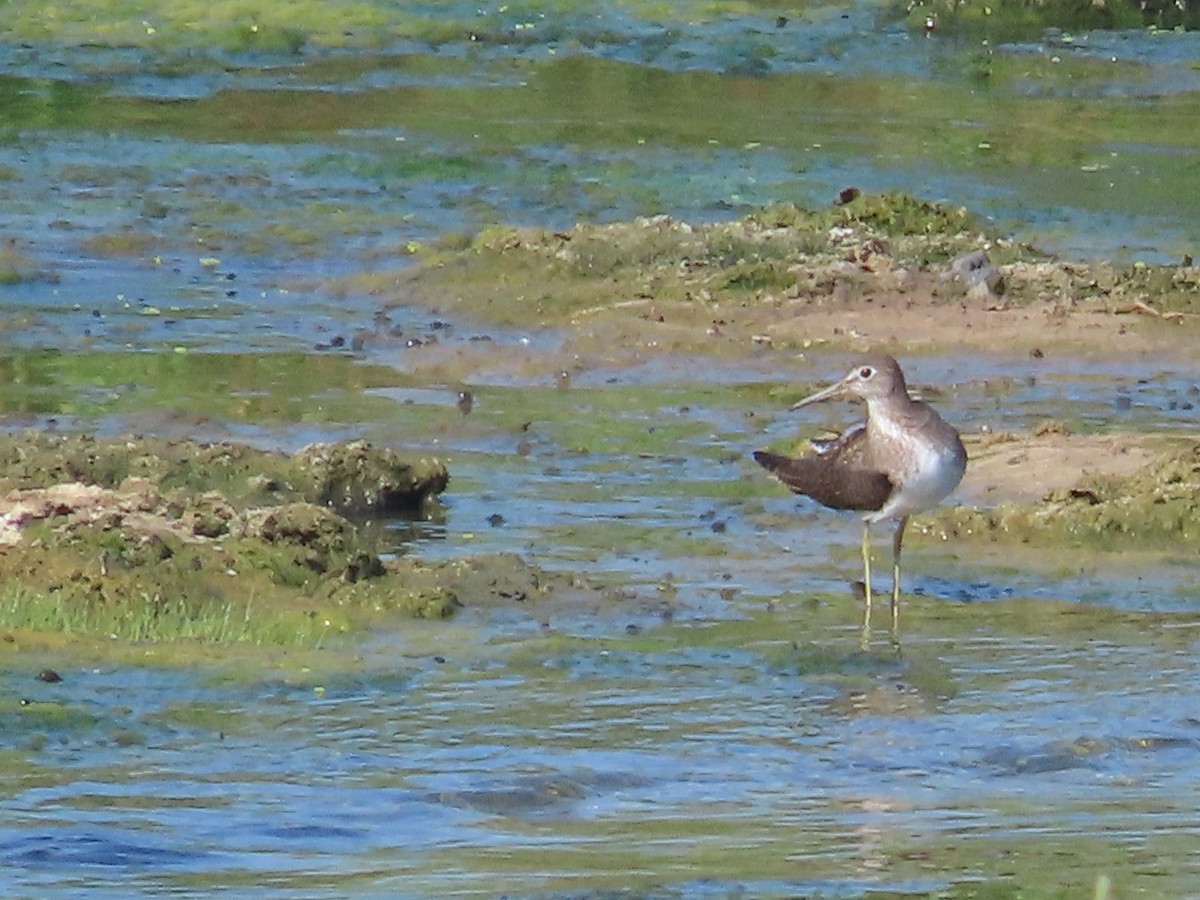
(848, 195)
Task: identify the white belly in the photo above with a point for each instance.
(933, 469)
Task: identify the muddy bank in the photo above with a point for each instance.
(886, 272)
(153, 539)
(1113, 494)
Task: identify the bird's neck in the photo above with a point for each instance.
(890, 407)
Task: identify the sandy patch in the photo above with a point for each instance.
(1026, 468)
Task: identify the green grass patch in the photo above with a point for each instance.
(139, 618)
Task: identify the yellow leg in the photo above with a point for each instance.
(897, 543)
(865, 638)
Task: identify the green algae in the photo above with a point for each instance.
(1007, 20)
(145, 540)
(354, 478)
(246, 26)
(125, 242)
(521, 274)
(1155, 508)
(206, 715)
(261, 389)
(783, 640)
(616, 418)
(148, 564)
(17, 265)
(232, 24)
(22, 714)
(597, 539)
(673, 274)
(1083, 153)
(237, 592)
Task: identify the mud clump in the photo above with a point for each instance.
(151, 540)
(360, 480)
(319, 540)
(355, 478)
(155, 539)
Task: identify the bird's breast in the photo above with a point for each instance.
(925, 463)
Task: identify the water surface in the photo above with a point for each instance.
(707, 726)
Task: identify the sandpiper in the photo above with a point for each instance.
(903, 459)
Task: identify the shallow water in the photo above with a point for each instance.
(702, 759)
(709, 727)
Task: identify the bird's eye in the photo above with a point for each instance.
(865, 372)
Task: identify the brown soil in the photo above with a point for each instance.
(1026, 468)
(919, 321)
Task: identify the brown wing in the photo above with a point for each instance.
(835, 477)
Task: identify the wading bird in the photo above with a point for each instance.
(903, 459)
